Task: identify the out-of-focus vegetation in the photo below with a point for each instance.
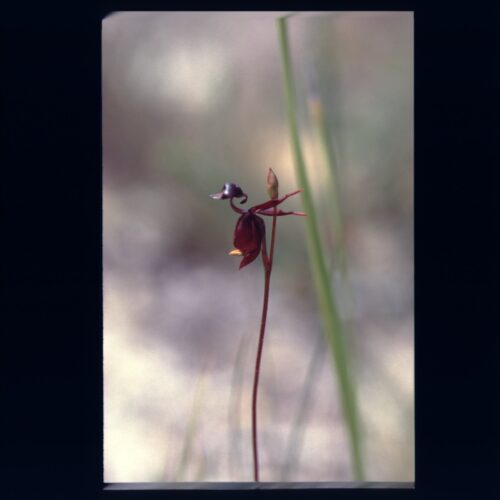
(331, 322)
(193, 100)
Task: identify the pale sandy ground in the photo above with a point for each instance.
(170, 345)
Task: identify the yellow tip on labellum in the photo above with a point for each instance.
(235, 252)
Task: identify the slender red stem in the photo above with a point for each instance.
(273, 237)
(267, 281)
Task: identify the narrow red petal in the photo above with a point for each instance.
(249, 257)
(274, 203)
(235, 208)
(279, 212)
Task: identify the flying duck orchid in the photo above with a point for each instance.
(250, 231)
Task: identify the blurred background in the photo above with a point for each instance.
(192, 100)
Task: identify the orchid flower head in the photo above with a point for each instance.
(249, 236)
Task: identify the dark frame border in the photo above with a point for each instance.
(222, 487)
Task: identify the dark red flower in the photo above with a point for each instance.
(249, 234)
(250, 230)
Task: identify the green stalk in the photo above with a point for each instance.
(320, 118)
(328, 309)
(318, 115)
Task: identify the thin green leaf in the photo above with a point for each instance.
(329, 314)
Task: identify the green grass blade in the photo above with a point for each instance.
(317, 113)
(340, 261)
(328, 309)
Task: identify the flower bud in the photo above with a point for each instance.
(272, 185)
